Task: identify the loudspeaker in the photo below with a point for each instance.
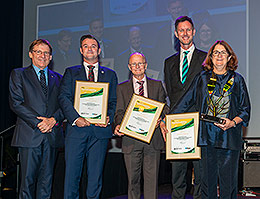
(251, 173)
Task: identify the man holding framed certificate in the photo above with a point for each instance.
(179, 71)
(84, 137)
(138, 154)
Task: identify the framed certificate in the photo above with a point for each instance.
(91, 99)
(182, 136)
(141, 117)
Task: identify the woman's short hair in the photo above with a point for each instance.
(232, 63)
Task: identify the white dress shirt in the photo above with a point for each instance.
(137, 85)
(95, 70)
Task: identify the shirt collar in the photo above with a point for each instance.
(133, 50)
(190, 49)
(37, 70)
(136, 80)
(87, 64)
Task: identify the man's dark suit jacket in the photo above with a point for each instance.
(28, 101)
(163, 46)
(175, 89)
(66, 99)
(125, 91)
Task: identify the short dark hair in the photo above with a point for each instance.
(64, 33)
(95, 20)
(40, 41)
(182, 19)
(232, 63)
(173, 1)
(89, 36)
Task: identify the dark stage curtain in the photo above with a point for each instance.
(11, 52)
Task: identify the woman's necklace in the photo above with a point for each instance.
(214, 107)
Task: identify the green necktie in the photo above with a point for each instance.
(185, 67)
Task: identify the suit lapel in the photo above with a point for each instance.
(193, 62)
(130, 89)
(149, 88)
(176, 69)
(101, 74)
(81, 74)
(51, 81)
(32, 76)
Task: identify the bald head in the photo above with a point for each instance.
(137, 65)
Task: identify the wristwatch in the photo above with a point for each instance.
(234, 123)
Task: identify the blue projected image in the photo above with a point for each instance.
(147, 26)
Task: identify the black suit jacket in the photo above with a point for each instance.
(125, 91)
(28, 101)
(175, 89)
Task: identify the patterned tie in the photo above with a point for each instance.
(91, 73)
(141, 88)
(43, 82)
(185, 67)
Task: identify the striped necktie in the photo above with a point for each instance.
(91, 73)
(43, 82)
(185, 67)
(141, 88)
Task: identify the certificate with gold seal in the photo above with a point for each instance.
(141, 117)
(91, 100)
(181, 141)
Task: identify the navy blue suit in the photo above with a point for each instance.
(90, 141)
(28, 101)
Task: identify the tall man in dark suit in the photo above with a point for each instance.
(96, 28)
(167, 43)
(34, 98)
(136, 44)
(82, 138)
(137, 154)
(179, 72)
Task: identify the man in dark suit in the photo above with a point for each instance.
(168, 43)
(96, 28)
(179, 72)
(34, 99)
(63, 55)
(82, 138)
(136, 44)
(137, 154)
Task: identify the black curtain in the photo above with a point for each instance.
(11, 52)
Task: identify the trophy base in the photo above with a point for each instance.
(213, 119)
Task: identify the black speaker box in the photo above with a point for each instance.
(251, 173)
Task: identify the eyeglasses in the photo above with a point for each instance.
(39, 52)
(216, 53)
(139, 64)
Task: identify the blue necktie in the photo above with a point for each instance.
(185, 67)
